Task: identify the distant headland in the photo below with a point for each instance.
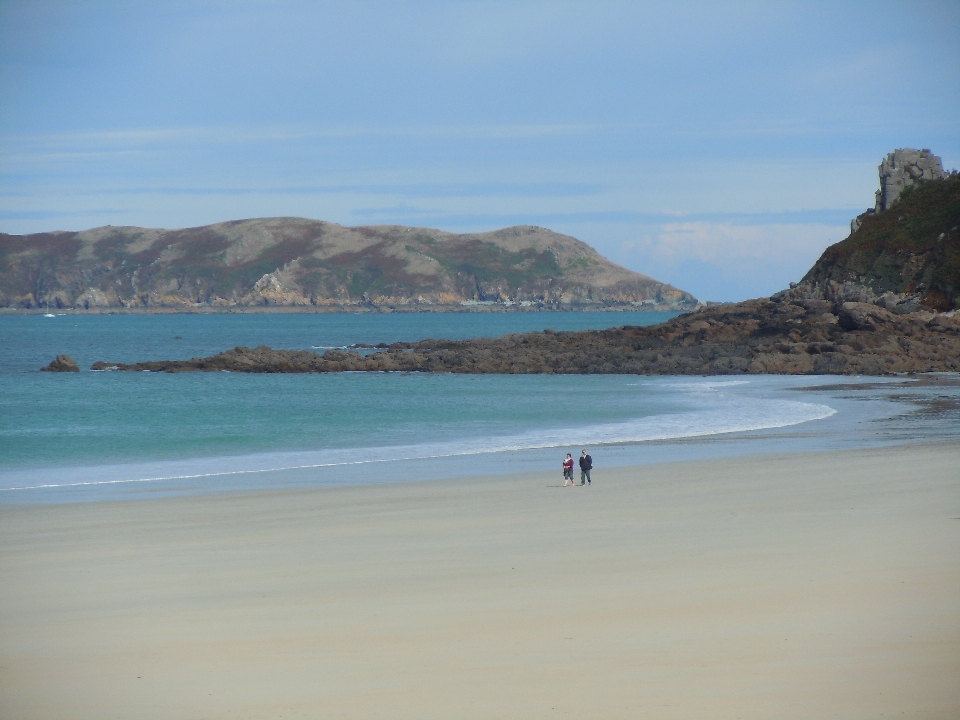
(885, 300)
(302, 265)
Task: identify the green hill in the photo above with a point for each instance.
(309, 264)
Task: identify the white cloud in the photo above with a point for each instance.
(726, 244)
(718, 261)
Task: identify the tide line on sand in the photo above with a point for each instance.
(768, 415)
(787, 586)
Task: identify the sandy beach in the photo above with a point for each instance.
(806, 586)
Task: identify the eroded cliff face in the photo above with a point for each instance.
(300, 263)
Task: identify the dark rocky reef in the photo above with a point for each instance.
(756, 336)
(62, 363)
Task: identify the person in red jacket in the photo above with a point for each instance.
(568, 470)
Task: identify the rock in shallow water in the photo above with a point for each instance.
(62, 363)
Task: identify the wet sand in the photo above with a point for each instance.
(803, 586)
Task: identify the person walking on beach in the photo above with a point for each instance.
(568, 470)
(586, 465)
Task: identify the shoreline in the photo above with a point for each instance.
(801, 585)
(795, 415)
(755, 337)
(348, 309)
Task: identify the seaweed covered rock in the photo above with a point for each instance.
(755, 336)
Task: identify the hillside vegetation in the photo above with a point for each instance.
(309, 264)
(910, 253)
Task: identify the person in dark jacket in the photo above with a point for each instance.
(586, 465)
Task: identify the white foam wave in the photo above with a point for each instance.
(710, 385)
(747, 414)
(693, 385)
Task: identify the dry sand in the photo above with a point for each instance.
(809, 586)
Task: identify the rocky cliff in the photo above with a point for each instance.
(299, 263)
(904, 257)
(904, 168)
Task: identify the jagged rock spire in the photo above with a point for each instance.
(903, 168)
(898, 171)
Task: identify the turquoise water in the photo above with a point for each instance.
(28, 342)
(54, 419)
(88, 435)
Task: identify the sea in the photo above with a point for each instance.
(95, 436)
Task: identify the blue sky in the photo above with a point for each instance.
(717, 146)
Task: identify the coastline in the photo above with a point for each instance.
(358, 309)
(632, 422)
(754, 337)
(803, 585)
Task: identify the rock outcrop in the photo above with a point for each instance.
(756, 336)
(62, 363)
(903, 259)
(295, 263)
(901, 169)
(904, 168)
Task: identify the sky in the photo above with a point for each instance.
(720, 147)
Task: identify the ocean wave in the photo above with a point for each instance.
(706, 385)
(741, 415)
